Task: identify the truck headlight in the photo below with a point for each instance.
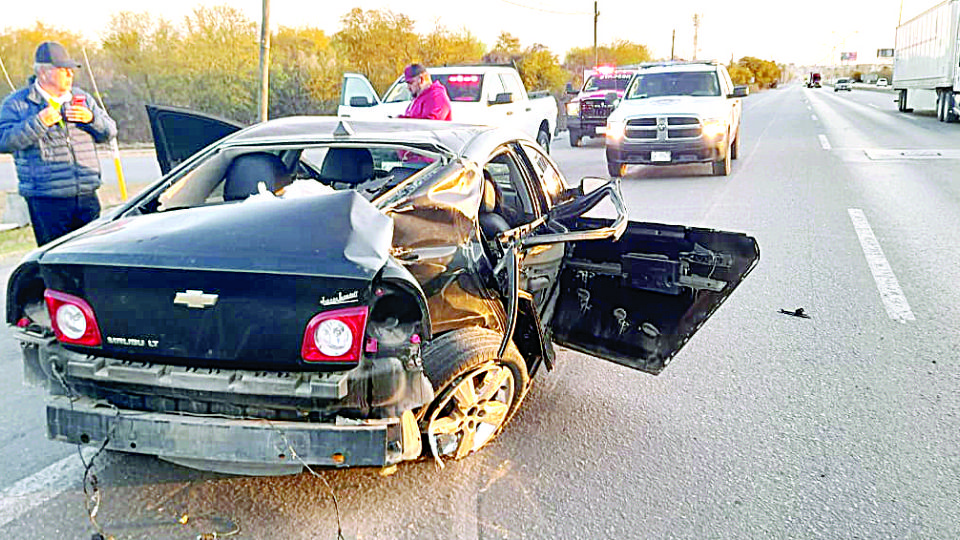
(616, 129)
(573, 108)
(714, 127)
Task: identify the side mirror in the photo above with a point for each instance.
(571, 90)
(740, 91)
(360, 101)
(589, 184)
(502, 98)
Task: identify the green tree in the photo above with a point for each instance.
(220, 62)
(618, 53)
(739, 74)
(304, 73)
(540, 70)
(506, 51)
(445, 47)
(17, 47)
(377, 44)
(764, 72)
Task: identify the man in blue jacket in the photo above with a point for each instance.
(50, 128)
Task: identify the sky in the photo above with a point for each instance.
(803, 33)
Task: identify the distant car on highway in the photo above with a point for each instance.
(843, 84)
(882, 82)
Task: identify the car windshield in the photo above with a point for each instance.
(242, 174)
(701, 83)
(615, 82)
(460, 87)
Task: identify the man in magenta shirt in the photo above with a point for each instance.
(430, 99)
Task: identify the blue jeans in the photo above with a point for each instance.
(53, 217)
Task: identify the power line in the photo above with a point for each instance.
(542, 10)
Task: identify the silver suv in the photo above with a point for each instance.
(674, 113)
(843, 84)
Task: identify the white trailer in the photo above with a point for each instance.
(925, 65)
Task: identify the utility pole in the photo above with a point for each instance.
(673, 44)
(696, 30)
(264, 61)
(596, 53)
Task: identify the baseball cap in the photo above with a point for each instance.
(413, 71)
(51, 52)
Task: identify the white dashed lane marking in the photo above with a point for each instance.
(893, 298)
(824, 142)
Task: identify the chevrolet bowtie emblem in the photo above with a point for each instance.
(195, 299)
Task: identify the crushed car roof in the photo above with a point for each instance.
(454, 136)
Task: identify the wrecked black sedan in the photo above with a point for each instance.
(317, 291)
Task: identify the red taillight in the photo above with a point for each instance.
(335, 336)
(73, 319)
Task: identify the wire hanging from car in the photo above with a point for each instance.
(93, 497)
(293, 452)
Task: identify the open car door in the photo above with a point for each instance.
(637, 300)
(180, 133)
(357, 97)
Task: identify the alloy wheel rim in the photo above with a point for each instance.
(472, 411)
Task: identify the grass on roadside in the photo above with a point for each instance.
(17, 241)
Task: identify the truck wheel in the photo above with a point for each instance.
(574, 138)
(948, 100)
(724, 166)
(616, 169)
(902, 102)
(940, 107)
(477, 392)
(543, 139)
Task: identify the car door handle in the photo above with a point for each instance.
(529, 109)
(509, 113)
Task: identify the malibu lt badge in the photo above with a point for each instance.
(195, 299)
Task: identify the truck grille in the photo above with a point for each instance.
(595, 108)
(664, 128)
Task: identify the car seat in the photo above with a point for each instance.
(351, 166)
(248, 170)
(491, 222)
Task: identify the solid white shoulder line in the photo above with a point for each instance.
(46, 484)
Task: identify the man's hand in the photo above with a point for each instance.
(49, 116)
(78, 113)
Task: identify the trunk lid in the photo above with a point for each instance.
(226, 286)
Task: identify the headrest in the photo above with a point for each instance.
(491, 194)
(350, 165)
(248, 170)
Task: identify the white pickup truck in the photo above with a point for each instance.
(479, 94)
(673, 113)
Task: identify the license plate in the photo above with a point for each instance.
(659, 156)
(600, 130)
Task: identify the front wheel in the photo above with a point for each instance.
(574, 138)
(543, 139)
(735, 147)
(477, 391)
(723, 166)
(616, 169)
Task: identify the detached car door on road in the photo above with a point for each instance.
(351, 293)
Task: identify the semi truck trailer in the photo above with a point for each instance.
(926, 66)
